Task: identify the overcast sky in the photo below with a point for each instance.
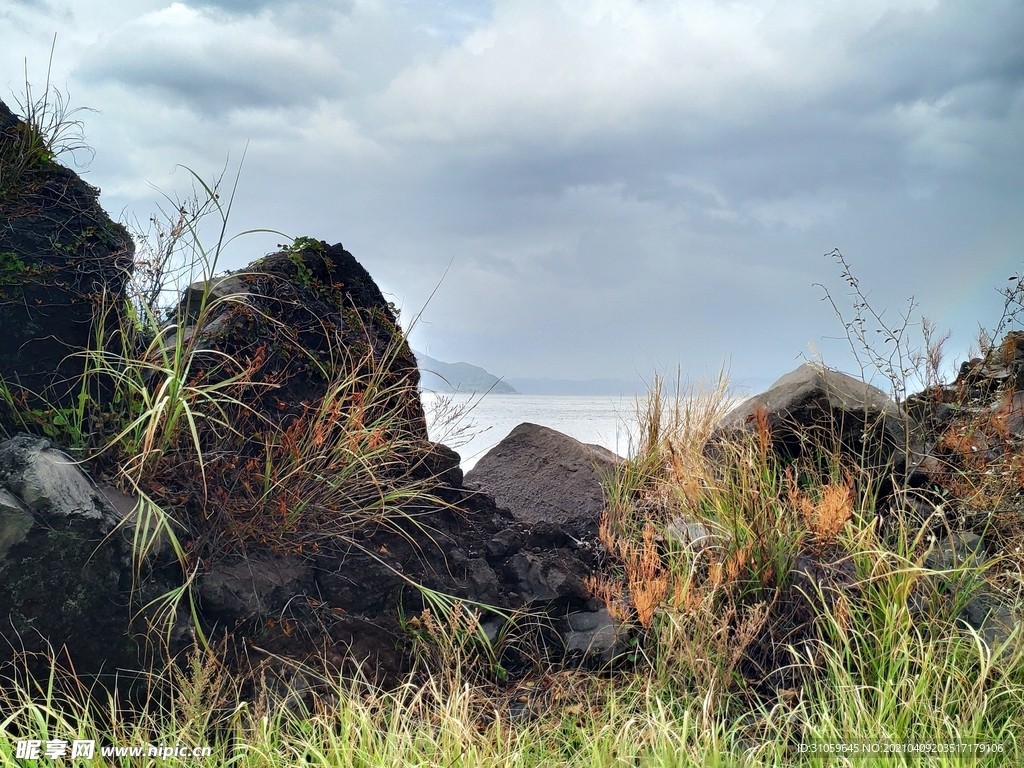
(619, 186)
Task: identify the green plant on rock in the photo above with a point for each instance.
(301, 244)
(13, 270)
(303, 274)
(48, 131)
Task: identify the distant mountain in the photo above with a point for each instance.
(438, 376)
(573, 387)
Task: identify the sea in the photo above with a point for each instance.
(473, 424)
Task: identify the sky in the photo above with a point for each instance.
(577, 188)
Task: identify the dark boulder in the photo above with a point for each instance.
(473, 552)
(1002, 367)
(61, 260)
(255, 588)
(66, 574)
(544, 477)
(442, 464)
(296, 318)
(816, 409)
(595, 636)
(980, 415)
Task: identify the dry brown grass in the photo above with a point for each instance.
(725, 608)
(826, 516)
(646, 580)
(676, 427)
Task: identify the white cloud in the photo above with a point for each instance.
(566, 70)
(797, 212)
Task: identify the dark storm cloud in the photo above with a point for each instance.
(215, 66)
(214, 87)
(245, 7)
(926, 55)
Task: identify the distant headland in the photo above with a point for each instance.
(439, 376)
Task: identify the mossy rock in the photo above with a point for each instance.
(62, 259)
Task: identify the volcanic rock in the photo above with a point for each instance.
(543, 476)
(66, 579)
(814, 408)
(298, 315)
(61, 261)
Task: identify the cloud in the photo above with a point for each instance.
(614, 182)
(216, 63)
(579, 74)
(244, 7)
(566, 71)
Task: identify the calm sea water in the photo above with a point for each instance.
(485, 421)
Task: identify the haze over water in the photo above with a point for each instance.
(600, 420)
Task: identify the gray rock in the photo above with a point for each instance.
(595, 637)
(15, 521)
(67, 581)
(503, 543)
(689, 534)
(547, 577)
(480, 579)
(541, 475)
(254, 588)
(50, 481)
(811, 387)
(958, 550)
(958, 582)
(991, 616)
(812, 406)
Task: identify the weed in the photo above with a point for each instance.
(894, 358)
(826, 516)
(48, 131)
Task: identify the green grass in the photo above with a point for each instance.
(870, 676)
(931, 692)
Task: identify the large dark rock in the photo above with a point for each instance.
(258, 587)
(66, 580)
(816, 409)
(61, 259)
(977, 418)
(1001, 367)
(348, 611)
(595, 636)
(298, 317)
(980, 416)
(544, 477)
